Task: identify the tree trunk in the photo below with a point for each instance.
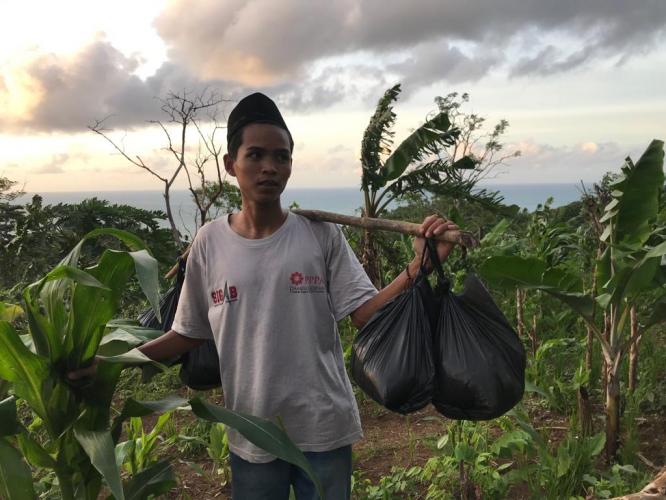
(604, 367)
(589, 349)
(520, 325)
(584, 412)
(533, 335)
(174, 231)
(612, 409)
(633, 350)
(370, 261)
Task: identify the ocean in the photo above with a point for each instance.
(340, 200)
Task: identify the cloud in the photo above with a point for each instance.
(434, 62)
(69, 93)
(55, 166)
(260, 42)
(312, 54)
(586, 161)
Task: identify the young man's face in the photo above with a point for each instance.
(263, 163)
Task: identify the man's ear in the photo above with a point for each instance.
(229, 164)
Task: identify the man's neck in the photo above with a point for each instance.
(258, 221)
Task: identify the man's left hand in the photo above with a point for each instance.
(431, 227)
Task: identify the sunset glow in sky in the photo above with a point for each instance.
(581, 83)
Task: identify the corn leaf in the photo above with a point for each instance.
(94, 308)
(22, 367)
(99, 447)
(15, 476)
(260, 432)
(9, 425)
(155, 480)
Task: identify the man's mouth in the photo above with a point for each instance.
(268, 183)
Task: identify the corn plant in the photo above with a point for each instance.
(139, 451)
(629, 270)
(71, 433)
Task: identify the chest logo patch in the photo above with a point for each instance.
(300, 283)
(227, 294)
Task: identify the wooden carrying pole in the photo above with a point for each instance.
(462, 238)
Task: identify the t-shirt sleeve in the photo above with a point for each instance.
(191, 319)
(348, 284)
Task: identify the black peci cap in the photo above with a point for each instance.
(255, 108)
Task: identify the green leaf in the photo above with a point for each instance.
(464, 452)
(10, 312)
(96, 396)
(132, 241)
(146, 269)
(33, 452)
(465, 163)
(420, 143)
(157, 479)
(15, 475)
(513, 272)
(99, 447)
(134, 408)
(64, 272)
(657, 316)
(9, 425)
(22, 367)
(377, 140)
(132, 358)
(93, 308)
(46, 338)
(641, 190)
(496, 232)
(532, 387)
(531, 273)
(259, 432)
(597, 443)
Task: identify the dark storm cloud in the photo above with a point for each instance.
(96, 82)
(262, 40)
(309, 54)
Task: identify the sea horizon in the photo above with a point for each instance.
(344, 200)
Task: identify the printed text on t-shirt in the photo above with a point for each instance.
(300, 283)
(227, 294)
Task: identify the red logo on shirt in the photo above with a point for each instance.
(296, 278)
(301, 283)
(229, 294)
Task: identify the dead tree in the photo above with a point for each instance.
(182, 110)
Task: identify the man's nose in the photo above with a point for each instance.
(269, 164)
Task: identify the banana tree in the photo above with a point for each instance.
(417, 165)
(70, 431)
(629, 269)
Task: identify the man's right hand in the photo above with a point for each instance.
(87, 372)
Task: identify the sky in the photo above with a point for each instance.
(580, 82)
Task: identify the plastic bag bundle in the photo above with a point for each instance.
(200, 367)
(168, 304)
(479, 359)
(392, 355)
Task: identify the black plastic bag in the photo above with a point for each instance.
(392, 357)
(168, 304)
(200, 367)
(479, 359)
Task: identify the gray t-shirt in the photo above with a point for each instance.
(272, 305)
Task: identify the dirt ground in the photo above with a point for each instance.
(393, 440)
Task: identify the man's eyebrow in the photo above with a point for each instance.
(262, 149)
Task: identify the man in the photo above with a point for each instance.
(269, 286)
